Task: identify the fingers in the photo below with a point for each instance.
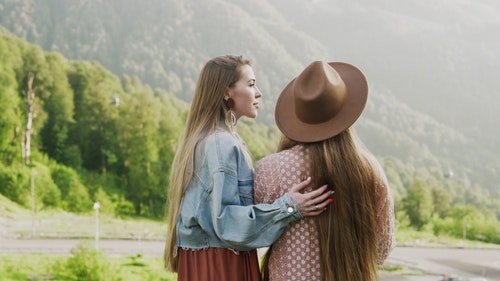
(326, 200)
(317, 204)
(313, 212)
(302, 185)
(318, 195)
(323, 196)
(316, 209)
(310, 203)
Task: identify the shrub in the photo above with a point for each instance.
(16, 182)
(12, 181)
(106, 205)
(65, 178)
(85, 264)
(74, 194)
(78, 200)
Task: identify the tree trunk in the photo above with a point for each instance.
(30, 99)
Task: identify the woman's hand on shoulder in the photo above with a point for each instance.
(310, 203)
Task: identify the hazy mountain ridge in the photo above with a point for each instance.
(433, 55)
(165, 43)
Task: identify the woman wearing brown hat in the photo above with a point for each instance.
(347, 242)
(214, 227)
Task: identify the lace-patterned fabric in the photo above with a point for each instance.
(295, 255)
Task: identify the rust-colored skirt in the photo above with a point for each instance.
(217, 264)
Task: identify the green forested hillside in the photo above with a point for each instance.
(87, 147)
(438, 59)
(94, 136)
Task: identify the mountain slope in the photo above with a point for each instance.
(431, 65)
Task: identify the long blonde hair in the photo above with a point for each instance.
(347, 229)
(207, 114)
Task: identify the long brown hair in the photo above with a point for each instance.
(347, 229)
(207, 114)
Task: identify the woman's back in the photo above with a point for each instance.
(295, 255)
(315, 112)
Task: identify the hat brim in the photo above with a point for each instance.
(290, 125)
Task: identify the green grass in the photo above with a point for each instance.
(412, 238)
(15, 267)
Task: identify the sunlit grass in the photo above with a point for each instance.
(413, 238)
(14, 267)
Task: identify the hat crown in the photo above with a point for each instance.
(319, 93)
(323, 101)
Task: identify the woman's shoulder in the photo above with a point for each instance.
(220, 143)
(268, 160)
(221, 137)
(282, 156)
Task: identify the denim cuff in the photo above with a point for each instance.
(288, 207)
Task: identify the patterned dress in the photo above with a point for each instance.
(295, 254)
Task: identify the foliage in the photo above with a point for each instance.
(10, 182)
(418, 204)
(106, 205)
(17, 182)
(469, 222)
(86, 264)
(426, 98)
(262, 140)
(10, 115)
(60, 110)
(127, 268)
(87, 147)
(21, 267)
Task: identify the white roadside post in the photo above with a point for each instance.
(96, 208)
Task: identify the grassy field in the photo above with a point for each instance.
(63, 267)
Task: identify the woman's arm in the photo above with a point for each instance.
(252, 226)
(255, 226)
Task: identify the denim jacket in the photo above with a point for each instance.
(217, 208)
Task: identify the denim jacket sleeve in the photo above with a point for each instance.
(242, 227)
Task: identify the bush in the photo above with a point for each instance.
(86, 264)
(74, 194)
(78, 200)
(65, 178)
(16, 182)
(106, 205)
(47, 192)
(123, 207)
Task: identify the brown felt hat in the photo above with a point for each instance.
(324, 100)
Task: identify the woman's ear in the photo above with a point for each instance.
(226, 95)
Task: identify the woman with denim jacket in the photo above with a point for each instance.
(214, 227)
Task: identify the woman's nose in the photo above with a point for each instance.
(258, 94)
